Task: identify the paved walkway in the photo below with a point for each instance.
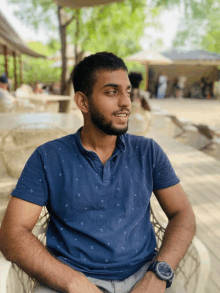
(198, 111)
(200, 178)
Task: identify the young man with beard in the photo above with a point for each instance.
(97, 185)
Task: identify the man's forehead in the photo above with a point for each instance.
(112, 76)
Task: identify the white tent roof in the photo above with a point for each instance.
(149, 56)
(12, 40)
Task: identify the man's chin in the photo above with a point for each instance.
(117, 130)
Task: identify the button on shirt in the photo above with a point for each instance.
(99, 215)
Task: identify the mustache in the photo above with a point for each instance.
(122, 111)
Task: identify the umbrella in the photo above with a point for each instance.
(149, 57)
(83, 3)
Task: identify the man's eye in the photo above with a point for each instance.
(111, 92)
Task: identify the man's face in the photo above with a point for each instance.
(110, 103)
(3, 85)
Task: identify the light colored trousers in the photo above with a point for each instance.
(118, 286)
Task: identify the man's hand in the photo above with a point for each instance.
(83, 285)
(150, 283)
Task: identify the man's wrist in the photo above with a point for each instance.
(152, 278)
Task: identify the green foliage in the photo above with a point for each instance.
(189, 35)
(40, 14)
(200, 27)
(116, 27)
(39, 70)
(35, 69)
(211, 40)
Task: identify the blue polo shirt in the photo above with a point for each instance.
(99, 215)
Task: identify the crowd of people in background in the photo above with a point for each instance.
(202, 89)
(177, 87)
(10, 100)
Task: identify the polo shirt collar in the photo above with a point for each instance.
(120, 145)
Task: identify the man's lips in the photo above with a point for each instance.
(122, 114)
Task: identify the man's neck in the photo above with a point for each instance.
(97, 141)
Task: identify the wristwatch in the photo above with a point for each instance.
(163, 271)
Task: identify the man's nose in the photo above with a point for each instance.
(124, 100)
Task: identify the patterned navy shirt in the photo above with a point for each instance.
(99, 215)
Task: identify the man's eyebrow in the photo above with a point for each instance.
(114, 85)
(111, 85)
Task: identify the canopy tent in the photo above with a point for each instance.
(197, 57)
(83, 3)
(149, 57)
(195, 65)
(12, 45)
(11, 39)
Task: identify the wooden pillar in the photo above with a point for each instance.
(147, 77)
(21, 70)
(6, 59)
(15, 72)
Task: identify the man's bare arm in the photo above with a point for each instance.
(20, 246)
(177, 238)
(181, 227)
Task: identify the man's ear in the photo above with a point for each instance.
(81, 101)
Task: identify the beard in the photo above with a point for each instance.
(99, 121)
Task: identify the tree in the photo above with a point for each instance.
(200, 27)
(109, 27)
(211, 39)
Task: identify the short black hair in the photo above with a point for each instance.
(84, 74)
(135, 79)
(3, 78)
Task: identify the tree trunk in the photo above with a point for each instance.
(62, 29)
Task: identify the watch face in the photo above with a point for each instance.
(164, 270)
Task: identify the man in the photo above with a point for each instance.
(138, 95)
(162, 86)
(97, 185)
(7, 101)
(181, 85)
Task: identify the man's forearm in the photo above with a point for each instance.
(178, 235)
(24, 249)
(177, 238)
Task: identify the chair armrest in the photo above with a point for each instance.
(5, 267)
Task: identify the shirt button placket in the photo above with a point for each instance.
(106, 172)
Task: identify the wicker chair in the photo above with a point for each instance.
(15, 148)
(19, 143)
(192, 272)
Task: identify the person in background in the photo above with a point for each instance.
(138, 95)
(180, 86)
(162, 87)
(38, 89)
(175, 88)
(7, 101)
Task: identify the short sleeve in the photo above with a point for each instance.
(164, 175)
(32, 184)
